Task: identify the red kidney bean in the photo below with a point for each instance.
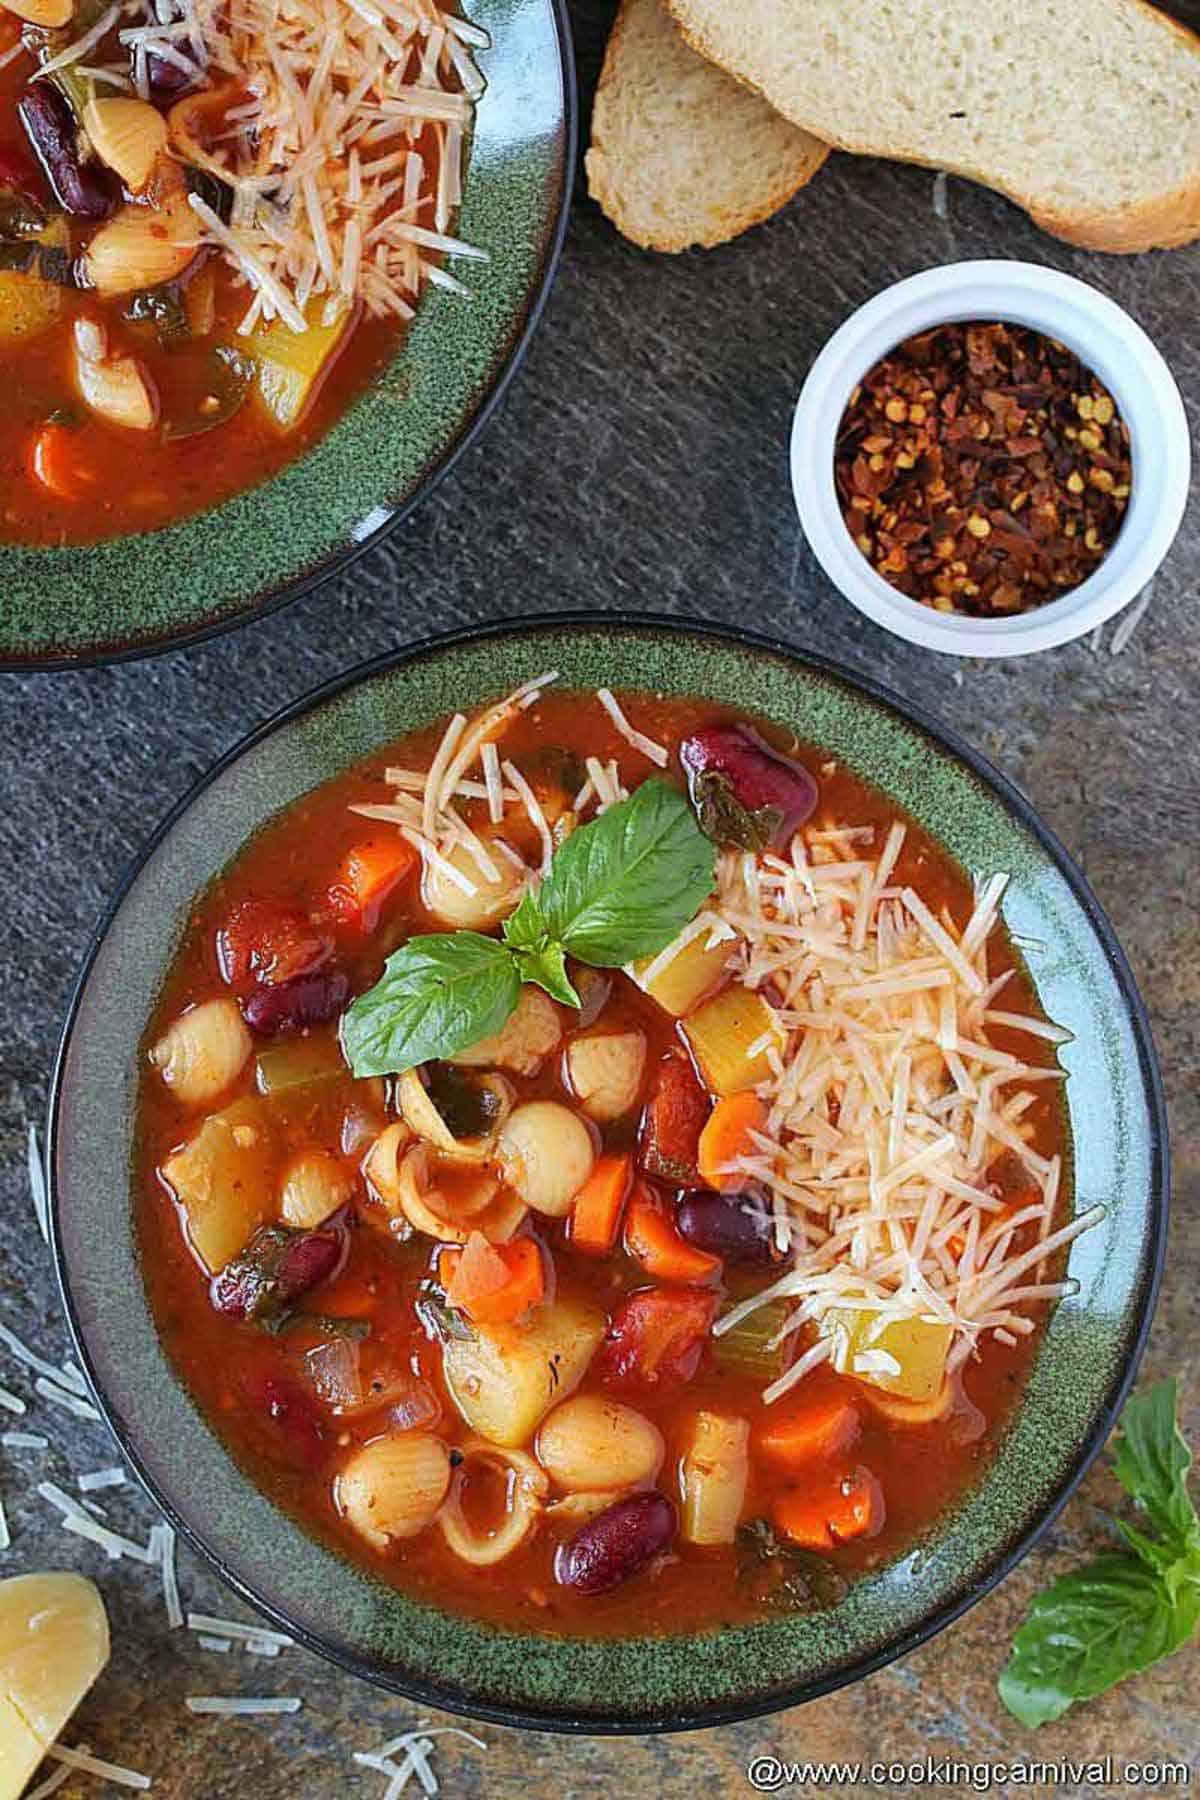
(737, 1227)
(278, 1266)
(743, 791)
(84, 189)
(616, 1544)
(306, 1000)
(166, 80)
(297, 1429)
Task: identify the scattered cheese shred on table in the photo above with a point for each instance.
(227, 1706)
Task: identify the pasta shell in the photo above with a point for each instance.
(128, 135)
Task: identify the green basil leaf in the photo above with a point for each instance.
(547, 967)
(626, 884)
(525, 928)
(436, 995)
(1091, 1629)
(1153, 1462)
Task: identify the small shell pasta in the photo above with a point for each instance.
(526, 1490)
(606, 1072)
(592, 1442)
(203, 1051)
(393, 1487)
(547, 1153)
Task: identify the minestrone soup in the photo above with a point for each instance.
(601, 1143)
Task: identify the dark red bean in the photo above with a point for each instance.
(166, 80)
(278, 1266)
(84, 189)
(295, 1424)
(744, 792)
(307, 1000)
(737, 1227)
(616, 1544)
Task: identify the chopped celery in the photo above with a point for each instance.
(917, 1347)
(692, 972)
(291, 363)
(298, 1064)
(726, 1034)
(746, 1348)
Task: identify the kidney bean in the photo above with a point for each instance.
(744, 792)
(278, 1266)
(166, 80)
(84, 189)
(290, 1006)
(616, 1544)
(734, 1226)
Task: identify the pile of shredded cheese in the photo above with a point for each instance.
(889, 1103)
(340, 125)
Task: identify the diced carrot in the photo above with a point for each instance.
(369, 873)
(652, 1240)
(824, 1517)
(55, 461)
(596, 1215)
(495, 1282)
(809, 1430)
(727, 1135)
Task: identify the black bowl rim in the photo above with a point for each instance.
(337, 562)
(1011, 1552)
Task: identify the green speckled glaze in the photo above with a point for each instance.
(140, 593)
(1087, 1355)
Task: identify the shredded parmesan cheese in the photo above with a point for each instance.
(637, 739)
(221, 1706)
(93, 1765)
(887, 1107)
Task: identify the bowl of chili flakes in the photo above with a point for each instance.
(990, 458)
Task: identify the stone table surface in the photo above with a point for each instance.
(638, 461)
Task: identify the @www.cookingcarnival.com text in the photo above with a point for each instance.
(770, 1774)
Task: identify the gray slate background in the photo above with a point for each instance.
(639, 461)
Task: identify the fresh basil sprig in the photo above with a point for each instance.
(1126, 1609)
(619, 888)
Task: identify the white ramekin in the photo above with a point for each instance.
(1106, 339)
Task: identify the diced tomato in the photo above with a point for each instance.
(264, 945)
(657, 1336)
(652, 1240)
(676, 1114)
(369, 874)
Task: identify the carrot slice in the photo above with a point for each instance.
(596, 1216)
(495, 1282)
(369, 873)
(652, 1240)
(727, 1135)
(809, 1430)
(821, 1519)
(54, 460)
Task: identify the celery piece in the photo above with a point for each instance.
(298, 1063)
(291, 363)
(746, 1348)
(729, 1036)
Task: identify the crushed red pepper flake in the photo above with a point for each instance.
(983, 469)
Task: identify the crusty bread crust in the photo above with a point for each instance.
(1162, 222)
(618, 175)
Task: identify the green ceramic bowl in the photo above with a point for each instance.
(155, 590)
(1087, 1355)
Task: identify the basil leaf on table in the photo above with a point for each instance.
(625, 885)
(1122, 1612)
(436, 995)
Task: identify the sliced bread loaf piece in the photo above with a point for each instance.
(682, 154)
(1085, 112)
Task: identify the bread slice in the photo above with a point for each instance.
(681, 154)
(1085, 112)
